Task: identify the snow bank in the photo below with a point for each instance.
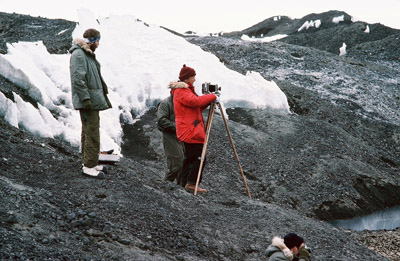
(138, 61)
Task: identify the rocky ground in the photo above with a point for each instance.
(50, 211)
(335, 133)
(387, 243)
(56, 34)
(335, 157)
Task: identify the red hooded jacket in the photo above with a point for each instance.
(190, 127)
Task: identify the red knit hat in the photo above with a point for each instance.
(186, 72)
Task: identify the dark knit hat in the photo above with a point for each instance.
(292, 240)
(186, 72)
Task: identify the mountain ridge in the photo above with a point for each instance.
(345, 31)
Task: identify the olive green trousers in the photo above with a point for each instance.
(174, 152)
(90, 137)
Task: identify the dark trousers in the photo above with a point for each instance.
(191, 163)
(90, 138)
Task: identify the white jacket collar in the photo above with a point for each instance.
(278, 242)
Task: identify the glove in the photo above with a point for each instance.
(304, 254)
(217, 100)
(87, 105)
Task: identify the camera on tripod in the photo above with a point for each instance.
(207, 88)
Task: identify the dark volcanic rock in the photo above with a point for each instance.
(49, 211)
(386, 243)
(56, 34)
(379, 51)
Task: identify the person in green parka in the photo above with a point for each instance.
(174, 149)
(89, 96)
(291, 247)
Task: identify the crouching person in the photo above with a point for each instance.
(89, 96)
(291, 247)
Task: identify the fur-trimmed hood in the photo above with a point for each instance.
(82, 44)
(178, 85)
(278, 245)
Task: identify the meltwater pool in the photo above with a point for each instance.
(388, 219)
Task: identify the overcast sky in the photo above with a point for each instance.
(208, 15)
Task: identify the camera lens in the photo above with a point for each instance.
(212, 88)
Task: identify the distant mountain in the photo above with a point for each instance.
(322, 33)
(285, 25)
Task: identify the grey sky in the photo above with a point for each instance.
(209, 15)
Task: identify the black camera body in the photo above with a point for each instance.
(207, 88)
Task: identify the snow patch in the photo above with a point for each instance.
(342, 50)
(308, 24)
(263, 39)
(338, 19)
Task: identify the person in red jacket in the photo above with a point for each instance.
(190, 127)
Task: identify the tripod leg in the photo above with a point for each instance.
(210, 115)
(203, 153)
(234, 150)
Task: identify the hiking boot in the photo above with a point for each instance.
(93, 172)
(102, 168)
(193, 187)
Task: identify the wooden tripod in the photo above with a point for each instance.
(203, 153)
